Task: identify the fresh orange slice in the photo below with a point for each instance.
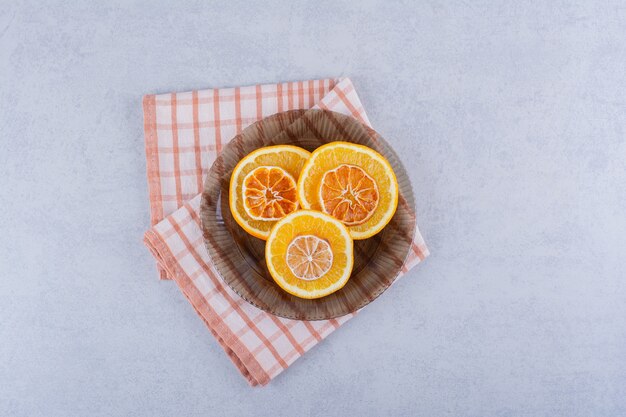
(309, 254)
(269, 193)
(353, 183)
(262, 187)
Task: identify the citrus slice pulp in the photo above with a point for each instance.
(269, 193)
(348, 194)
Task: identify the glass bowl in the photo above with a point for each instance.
(239, 258)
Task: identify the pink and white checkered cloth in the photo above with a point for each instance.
(184, 133)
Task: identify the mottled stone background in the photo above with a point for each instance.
(510, 115)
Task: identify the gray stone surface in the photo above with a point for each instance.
(511, 118)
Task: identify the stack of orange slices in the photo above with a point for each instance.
(309, 207)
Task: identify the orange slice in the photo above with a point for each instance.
(269, 193)
(351, 182)
(274, 170)
(309, 254)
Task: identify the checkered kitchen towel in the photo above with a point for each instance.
(184, 132)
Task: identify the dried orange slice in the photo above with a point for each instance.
(348, 194)
(353, 183)
(272, 170)
(309, 254)
(309, 257)
(269, 193)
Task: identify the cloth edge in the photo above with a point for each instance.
(151, 146)
(152, 162)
